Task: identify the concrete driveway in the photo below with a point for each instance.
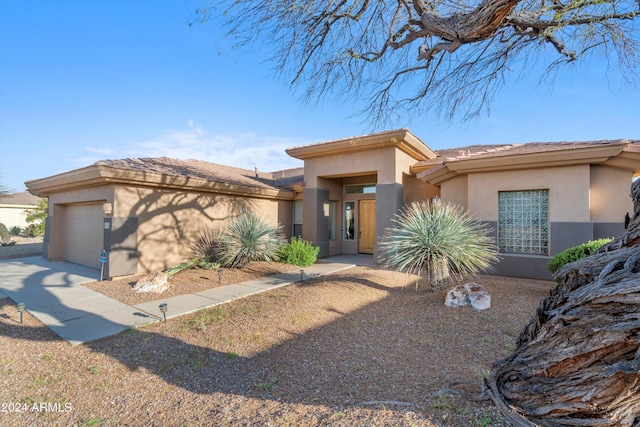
(52, 293)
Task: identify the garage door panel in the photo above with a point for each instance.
(84, 234)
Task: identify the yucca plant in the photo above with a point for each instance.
(205, 243)
(247, 238)
(438, 238)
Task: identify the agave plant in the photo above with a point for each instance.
(437, 237)
(249, 237)
(205, 243)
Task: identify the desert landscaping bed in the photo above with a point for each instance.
(188, 281)
(357, 347)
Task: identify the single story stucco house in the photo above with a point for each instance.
(538, 198)
(14, 208)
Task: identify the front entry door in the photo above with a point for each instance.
(367, 222)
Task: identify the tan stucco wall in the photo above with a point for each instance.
(568, 191)
(416, 190)
(610, 189)
(389, 164)
(455, 191)
(168, 220)
(334, 186)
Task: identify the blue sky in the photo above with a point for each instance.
(82, 81)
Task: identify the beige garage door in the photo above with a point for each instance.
(83, 231)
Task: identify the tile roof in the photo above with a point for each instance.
(208, 171)
(499, 150)
(23, 198)
(369, 135)
(528, 148)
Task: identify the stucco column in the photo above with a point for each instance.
(53, 246)
(315, 222)
(389, 200)
(121, 243)
(47, 237)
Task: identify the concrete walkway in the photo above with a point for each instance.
(52, 292)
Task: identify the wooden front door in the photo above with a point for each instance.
(367, 224)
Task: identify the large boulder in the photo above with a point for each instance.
(468, 294)
(155, 282)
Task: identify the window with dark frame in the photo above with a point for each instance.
(349, 221)
(297, 218)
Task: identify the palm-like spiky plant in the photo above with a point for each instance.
(205, 243)
(437, 237)
(249, 237)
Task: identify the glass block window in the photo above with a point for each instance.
(523, 222)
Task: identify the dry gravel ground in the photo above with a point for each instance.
(25, 246)
(354, 348)
(187, 282)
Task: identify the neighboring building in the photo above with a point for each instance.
(14, 207)
(539, 198)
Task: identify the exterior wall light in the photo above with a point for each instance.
(163, 310)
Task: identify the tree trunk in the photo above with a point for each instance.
(577, 363)
(438, 273)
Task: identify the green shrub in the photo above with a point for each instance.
(15, 230)
(4, 232)
(249, 237)
(575, 253)
(298, 252)
(437, 237)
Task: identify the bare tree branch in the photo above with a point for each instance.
(448, 56)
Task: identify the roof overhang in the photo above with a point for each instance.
(401, 139)
(629, 158)
(623, 155)
(99, 175)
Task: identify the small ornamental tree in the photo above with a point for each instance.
(36, 218)
(438, 238)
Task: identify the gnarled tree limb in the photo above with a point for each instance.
(577, 363)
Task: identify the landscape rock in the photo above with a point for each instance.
(468, 294)
(155, 282)
(479, 298)
(457, 297)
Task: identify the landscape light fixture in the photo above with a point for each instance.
(301, 274)
(20, 308)
(163, 310)
(219, 276)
